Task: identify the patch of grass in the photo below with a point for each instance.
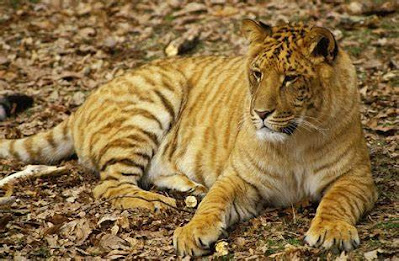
(390, 224)
(294, 241)
(16, 3)
(169, 18)
(225, 258)
(373, 243)
(273, 246)
(42, 252)
(354, 50)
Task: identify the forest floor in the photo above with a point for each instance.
(59, 51)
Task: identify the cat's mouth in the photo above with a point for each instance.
(288, 129)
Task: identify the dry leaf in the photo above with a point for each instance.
(371, 255)
(110, 242)
(221, 248)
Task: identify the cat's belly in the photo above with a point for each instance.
(196, 154)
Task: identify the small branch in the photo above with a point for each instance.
(7, 200)
(32, 171)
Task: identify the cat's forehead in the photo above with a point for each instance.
(282, 48)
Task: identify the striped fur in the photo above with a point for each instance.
(276, 126)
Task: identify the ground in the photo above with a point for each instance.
(58, 51)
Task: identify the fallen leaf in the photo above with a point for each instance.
(221, 248)
(77, 230)
(371, 255)
(110, 242)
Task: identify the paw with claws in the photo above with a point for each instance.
(196, 238)
(328, 233)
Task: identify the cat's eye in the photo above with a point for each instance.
(290, 78)
(257, 74)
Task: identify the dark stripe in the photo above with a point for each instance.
(123, 161)
(145, 114)
(352, 209)
(144, 156)
(354, 198)
(148, 80)
(335, 161)
(28, 145)
(110, 178)
(198, 168)
(122, 143)
(336, 206)
(166, 103)
(116, 123)
(14, 153)
(361, 194)
(152, 136)
(236, 210)
(257, 166)
(65, 129)
(173, 144)
(149, 135)
(117, 186)
(247, 182)
(130, 174)
(50, 139)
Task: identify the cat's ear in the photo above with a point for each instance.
(255, 31)
(320, 42)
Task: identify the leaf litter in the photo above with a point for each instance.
(59, 51)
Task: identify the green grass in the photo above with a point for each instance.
(169, 18)
(42, 252)
(294, 241)
(390, 224)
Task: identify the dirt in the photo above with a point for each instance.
(58, 51)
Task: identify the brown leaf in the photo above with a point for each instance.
(77, 230)
(111, 242)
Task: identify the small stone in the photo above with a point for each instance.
(87, 33)
(191, 201)
(4, 60)
(338, 34)
(110, 42)
(355, 8)
(70, 199)
(78, 98)
(240, 241)
(54, 96)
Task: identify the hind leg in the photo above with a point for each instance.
(129, 195)
(180, 182)
(119, 184)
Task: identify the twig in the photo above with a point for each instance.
(7, 200)
(32, 171)
(293, 213)
(137, 197)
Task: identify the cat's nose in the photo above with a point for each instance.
(264, 114)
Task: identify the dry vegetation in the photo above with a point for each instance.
(59, 50)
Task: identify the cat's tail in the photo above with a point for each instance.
(44, 147)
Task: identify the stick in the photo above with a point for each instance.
(7, 200)
(32, 171)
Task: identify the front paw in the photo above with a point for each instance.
(332, 233)
(196, 238)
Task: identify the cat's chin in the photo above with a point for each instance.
(272, 136)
